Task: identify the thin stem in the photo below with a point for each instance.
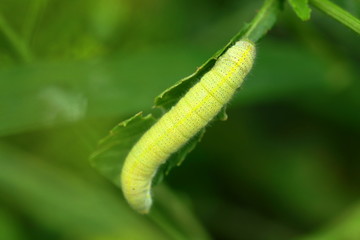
(17, 43)
(338, 13)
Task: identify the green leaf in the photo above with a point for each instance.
(10, 228)
(177, 158)
(61, 199)
(347, 226)
(258, 27)
(113, 149)
(301, 8)
(86, 89)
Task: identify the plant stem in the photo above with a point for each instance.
(338, 13)
(17, 43)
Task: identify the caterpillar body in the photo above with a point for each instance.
(193, 112)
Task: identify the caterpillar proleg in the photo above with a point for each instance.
(176, 127)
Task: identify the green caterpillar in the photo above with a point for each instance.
(193, 112)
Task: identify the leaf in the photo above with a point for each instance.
(67, 202)
(258, 27)
(113, 149)
(346, 226)
(50, 94)
(10, 228)
(301, 8)
(177, 158)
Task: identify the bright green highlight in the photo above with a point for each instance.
(301, 8)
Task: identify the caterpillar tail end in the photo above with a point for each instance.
(145, 207)
(139, 199)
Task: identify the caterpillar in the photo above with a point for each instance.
(183, 121)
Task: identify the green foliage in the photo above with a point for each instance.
(119, 140)
(346, 228)
(116, 146)
(301, 8)
(283, 166)
(338, 13)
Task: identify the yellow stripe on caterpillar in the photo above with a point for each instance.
(183, 121)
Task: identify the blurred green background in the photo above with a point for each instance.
(285, 165)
